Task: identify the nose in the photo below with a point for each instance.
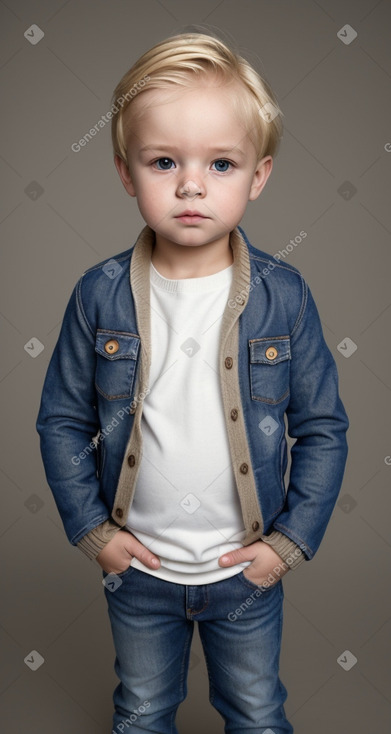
(190, 189)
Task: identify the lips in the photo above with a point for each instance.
(190, 213)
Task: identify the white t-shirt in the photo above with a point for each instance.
(186, 506)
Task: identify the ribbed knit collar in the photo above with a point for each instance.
(140, 285)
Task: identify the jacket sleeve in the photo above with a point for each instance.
(67, 424)
(318, 421)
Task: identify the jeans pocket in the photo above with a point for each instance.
(252, 585)
(120, 575)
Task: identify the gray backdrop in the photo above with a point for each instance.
(62, 212)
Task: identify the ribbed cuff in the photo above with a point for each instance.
(289, 551)
(93, 542)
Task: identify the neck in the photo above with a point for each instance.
(176, 261)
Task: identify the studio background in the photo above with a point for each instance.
(63, 211)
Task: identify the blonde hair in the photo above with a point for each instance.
(181, 60)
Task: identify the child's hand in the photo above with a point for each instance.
(266, 563)
(117, 554)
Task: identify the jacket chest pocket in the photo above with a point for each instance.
(269, 368)
(116, 363)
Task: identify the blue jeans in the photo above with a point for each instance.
(240, 626)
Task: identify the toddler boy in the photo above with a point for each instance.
(162, 418)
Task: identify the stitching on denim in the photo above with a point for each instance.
(270, 401)
(212, 688)
(252, 585)
(112, 331)
(303, 305)
(199, 611)
(102, 458)
(294, 271)
(277, 263)
(79, 304)
(111, 397)
(117, 258)
(182, 671)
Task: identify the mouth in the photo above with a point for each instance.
(190, 217)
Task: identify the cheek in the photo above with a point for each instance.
(156, 192)
(153, 197)
(152, 202)
(243, 192)
(236, 197)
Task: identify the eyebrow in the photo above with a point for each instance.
(219, 151)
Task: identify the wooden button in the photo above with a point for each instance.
(112, 346)
(271, 353)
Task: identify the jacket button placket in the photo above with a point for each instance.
(131, 461)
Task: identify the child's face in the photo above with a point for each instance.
(191, 140)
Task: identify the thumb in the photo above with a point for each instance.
(237, 556)
(141, 552)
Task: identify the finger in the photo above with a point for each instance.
(139, 551)
(237, 556)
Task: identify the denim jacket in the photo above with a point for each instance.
(277, 375)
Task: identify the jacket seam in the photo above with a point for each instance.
(270, 401)
(280, 461)
(281, 266)
(277, 511)
(117, 258)
(112, 397)
(113, 331)
(81, 307)
(294, 271)
(304, 299)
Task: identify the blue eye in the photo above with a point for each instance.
(165, 164)
(222, 165)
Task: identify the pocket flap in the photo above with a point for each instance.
(116, 344)
(270, 350)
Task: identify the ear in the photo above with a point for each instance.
(124, 174)
(261, 175)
